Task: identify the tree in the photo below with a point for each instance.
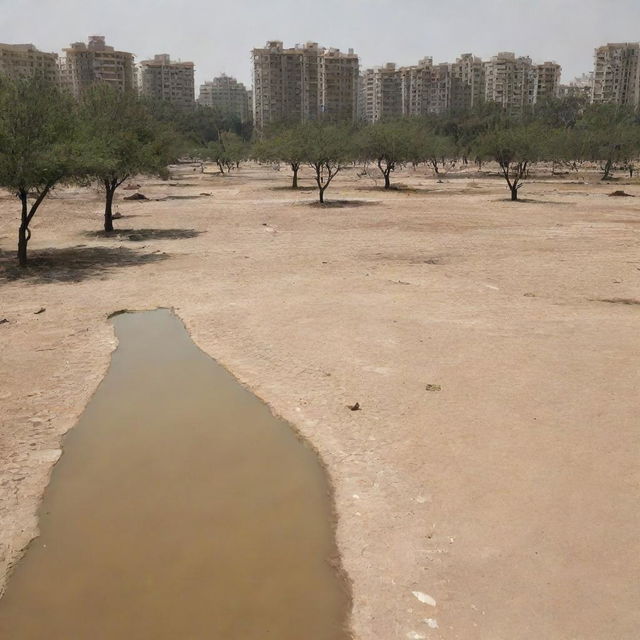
(327, 150)
(121, 139)
(386, 143)
(514, 148)
(36, 146)
(428, 146)
(609, 132)
(284, 144)
(235, 148)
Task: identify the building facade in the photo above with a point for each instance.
(84, 65)
(426, 88)
(164, 79)
(546, 78)
(509, 82)
(228, 95)
(616, 74)
(303, 83)
(382, 93)
(24, 61)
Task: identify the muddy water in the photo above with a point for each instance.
(181, 509)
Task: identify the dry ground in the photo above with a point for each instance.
(509, 495)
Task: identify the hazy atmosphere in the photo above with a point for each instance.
(218, 36)
(319, 320)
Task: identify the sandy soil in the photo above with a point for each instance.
(506, 498)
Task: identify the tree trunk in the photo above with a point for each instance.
(387, 181)
(108, 202)
(607, 170)
(23, 231)
(294, 181)
(321, 194)
(514, 193)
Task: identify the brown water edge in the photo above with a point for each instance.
(181, 509)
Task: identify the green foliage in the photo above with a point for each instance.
(121, 138)
(609, 135)
(515, 149)
(388, 144)
(37, 145)
(327, 148)
(198, 126)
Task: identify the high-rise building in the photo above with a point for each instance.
(166, 79)
(303, 83)
(415, 81)
(616, 74)
(382, 93)
(546, 81)
(24, 60)
(510, 82)
(427, 88)
(467, 82)
(84, 65)
(226, 94)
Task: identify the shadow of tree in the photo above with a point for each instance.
(290, 188)
(72, 264)
(342, 204)
(138, 235)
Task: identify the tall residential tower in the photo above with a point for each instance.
(306, 82)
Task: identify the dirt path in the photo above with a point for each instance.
(505, 493)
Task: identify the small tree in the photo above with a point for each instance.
(387, 144)
(429, 147)
(514, 149)
(283, 144)
(327, 150)
(609, 132)
(121, 139)
(36, 146)
(235, 148)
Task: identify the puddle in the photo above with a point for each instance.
(180, 510)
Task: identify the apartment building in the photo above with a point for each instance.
(467, 82)
(164, 79)
(227, 95)
(510, 82)
(546, 81)
(303, 83)
(24, 60)
(616, 74)
(382, 93)
(425, 88)
(84, 65)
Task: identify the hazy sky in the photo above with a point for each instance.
(219, 35)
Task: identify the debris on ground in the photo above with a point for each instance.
(4, 321)
(136, 196)
(354, 407)
(117, 215)
(433, 387)
(619, 192)
(40, 310)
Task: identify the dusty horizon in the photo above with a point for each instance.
(379, 31)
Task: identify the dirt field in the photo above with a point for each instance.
(488, 486)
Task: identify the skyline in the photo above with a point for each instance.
(379, 31)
